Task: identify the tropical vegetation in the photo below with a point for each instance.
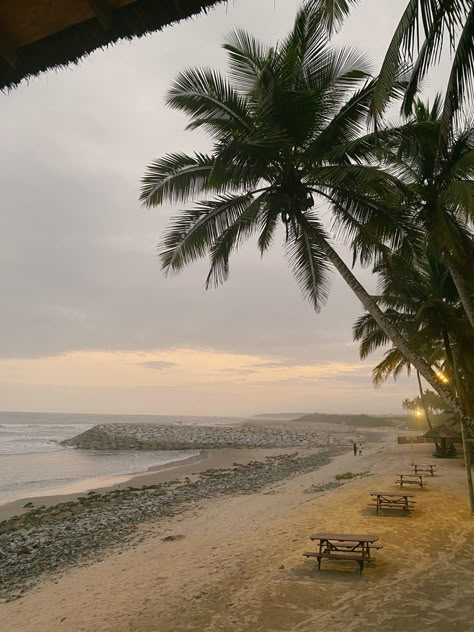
(418, 41)
(290, 129)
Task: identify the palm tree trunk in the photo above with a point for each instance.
(449, 351)
(466, 445)
(425, 406)
(464, 295)
(398, 340)
(423, 401)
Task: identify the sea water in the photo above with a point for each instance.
(32, 462)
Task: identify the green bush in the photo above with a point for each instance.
(345, 476)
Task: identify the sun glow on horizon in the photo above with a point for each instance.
(190, 380)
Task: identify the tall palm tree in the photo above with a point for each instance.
(418, 39)
(422, 299)
(442, 189)
(286, 134)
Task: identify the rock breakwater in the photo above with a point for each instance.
(180, 437)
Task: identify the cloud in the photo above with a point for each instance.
(158, 364)
(206, 380)
(78, 266)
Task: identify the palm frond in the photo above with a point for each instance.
(204, 94)
(192, 233)
(373, 147)
(303, 48)
(461, 78)
(459, 196)
(392, 364)
(308, 264)
(347, 125)
(348, 66)
(175, 178)
(333, 12)
(373, 226)
(230, 239)
(268, 226)
(359, 178)
(434, 19)
(371, 336)
(248, 58)
(404, 37)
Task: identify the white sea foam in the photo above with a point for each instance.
(32, 462)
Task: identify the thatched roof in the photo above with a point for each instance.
(443, 431)
(36, 35)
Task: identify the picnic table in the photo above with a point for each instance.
(393, 500)
(424, 467)
(411, 479)
(344, 546)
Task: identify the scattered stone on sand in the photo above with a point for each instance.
(48, 539)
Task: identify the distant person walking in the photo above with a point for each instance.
(355, 448)
(360, 449)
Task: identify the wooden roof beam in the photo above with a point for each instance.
(8, 48)
(102, 11)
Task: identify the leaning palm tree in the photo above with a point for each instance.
(419, 39)
(422, 299)
(286, 133)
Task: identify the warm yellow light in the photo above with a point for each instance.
(418, 412)
(441, 376)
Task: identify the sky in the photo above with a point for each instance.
(88, 322)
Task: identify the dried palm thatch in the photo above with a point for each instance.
(443, 431)
(36, 35)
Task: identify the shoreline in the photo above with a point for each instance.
(263, 438)
(48, 540)
(84, 485)
(217, 458)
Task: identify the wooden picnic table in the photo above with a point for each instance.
(393, 500)
(424, 467)
(411, 479)
(344, 546)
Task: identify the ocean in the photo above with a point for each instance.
(32, 463)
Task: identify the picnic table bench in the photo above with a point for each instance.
(392, 500)
(411, 479)
(344, 546)
(424, 467)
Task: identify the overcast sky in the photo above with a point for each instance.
(88, 323)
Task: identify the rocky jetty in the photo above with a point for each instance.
(180, 437)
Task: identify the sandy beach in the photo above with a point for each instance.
(236, 563)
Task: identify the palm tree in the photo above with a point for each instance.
(423, 301)
(286, 135)
(419, 39)
(442, 189)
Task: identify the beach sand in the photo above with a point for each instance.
(237, 563)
